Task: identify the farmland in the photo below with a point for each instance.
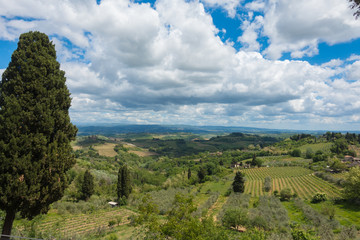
(161, 177)
(300, 180)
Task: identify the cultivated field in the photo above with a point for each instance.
(299, 180)
(72, 226)
(106, 149)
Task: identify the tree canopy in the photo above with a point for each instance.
(35, 130)
(124, 184)
(352, 184)
(239, 182)
(87, 187)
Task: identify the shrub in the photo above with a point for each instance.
(235, 217)
(276, 193)
(285, 194)
(319, 197)
(112, 223)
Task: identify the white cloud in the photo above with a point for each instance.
(249, 38)
(129, 62)
(229, 5)
(299, 26)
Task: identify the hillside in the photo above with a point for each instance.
(158, 177)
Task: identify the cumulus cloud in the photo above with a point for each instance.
(299, 26)
(132, 62)
(229, 5)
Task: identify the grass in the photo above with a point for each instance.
(325, 147)
(346, 213)
(106, 149)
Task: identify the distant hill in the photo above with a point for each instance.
(111, 130)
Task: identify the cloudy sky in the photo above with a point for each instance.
(291, 64)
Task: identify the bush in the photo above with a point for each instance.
(285, 194)
(319, 197)
(112, 223)
(276, 193)
(296, 153)
(234, 217)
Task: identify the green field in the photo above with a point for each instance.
(299, 180)
(324, 147)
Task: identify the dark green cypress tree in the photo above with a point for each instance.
(87, 187)
(239, 182)
(124, 184)
(189, 173)
(35, 130)
(201, 174)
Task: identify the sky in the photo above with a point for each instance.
(285, 64)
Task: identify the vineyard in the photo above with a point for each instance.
(77, 225)
(300, 180)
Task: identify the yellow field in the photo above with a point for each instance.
(143, 153)
(106, 149)
(76, 147)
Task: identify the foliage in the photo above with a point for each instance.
(309, 153)
(340, 146)
(295, 153)
(267, 184)
(234, 217)
(319, 156)
(35, 130)
(180, 224)
(269, 214)
(201, 174)
(352, 184)
(256, 161)
(300, 234)
(319, 197)
(163, 198)
(239, 182)
(285, 194)
(330, 178)
(123, 184)
(87, 187)
(316, 218)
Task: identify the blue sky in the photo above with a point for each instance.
(263, 63)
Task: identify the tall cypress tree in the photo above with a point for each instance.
(87, 187)
(239, 182)
(35, 130)
(124, 184)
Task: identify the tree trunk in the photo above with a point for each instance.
(9, 219)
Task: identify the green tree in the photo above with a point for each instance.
(124, 184)
(256, 161)
(182, 225)
(309, 153)
(35, 130)
(296, 153)
(239, 182)
(340, 146)
(87, 187)
(267, 184)
(234, 217)
(285, 194)
(201, 174)
(352, 184)
(189, 173)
